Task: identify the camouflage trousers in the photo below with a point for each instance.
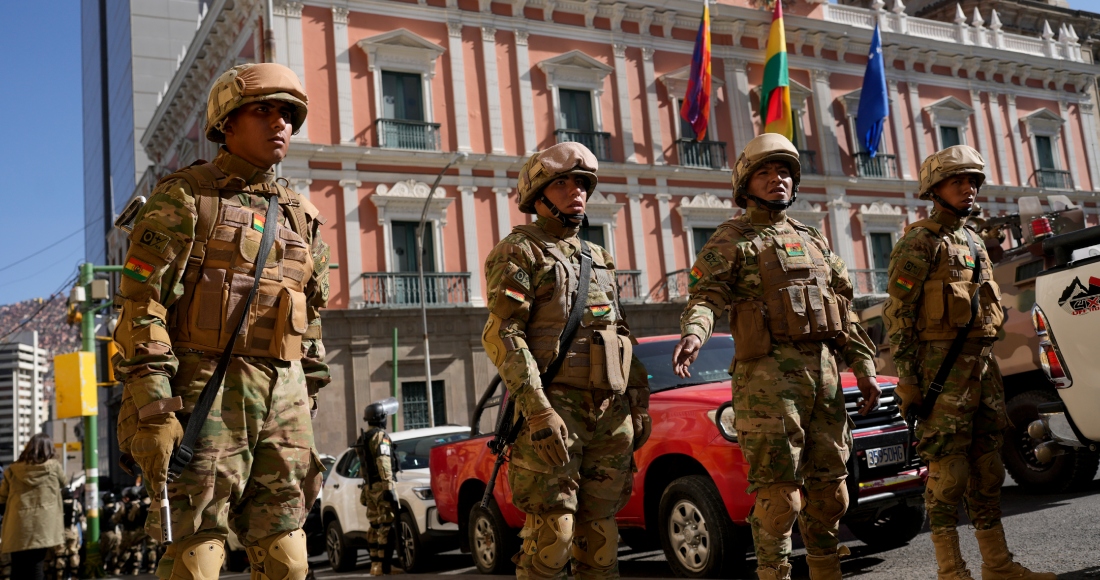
(380, 514)
(108, 547)
(966, 423)
(255, 468)
(793, 429)
(595, 483)
(63, 561)
(132, 551)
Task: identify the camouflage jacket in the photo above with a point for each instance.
(731, 274)
(152, 364)
(376, 457)
(512, 262)
(911, 263)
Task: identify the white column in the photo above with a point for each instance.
(526, 102)
(999, 137)
(1090, 131)
(469, 229)
(899, 131)
(737, 97)
(910, 207)
(652, 106)
(504, 208)
(492, 88)
(621, 87)
(300, 185)
(458, 85)
(278, 26)
(840, 224)
(343, 74)
(665, 216)
(352, 240)
(1014, 125)
(295, 57)
(826, 123)
(1071, 147)
(983, 135)
(637, 233)
(918, 120)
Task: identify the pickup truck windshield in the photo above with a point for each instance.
(712, 365)
(414, 453)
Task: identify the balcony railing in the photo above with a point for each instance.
(677, 285)
(881, 166)
(402, 289)
(630, 285)
(404, 134)
(708, 154)
(598, 143)
(869, 281)
(1052, 179)
(808, 160)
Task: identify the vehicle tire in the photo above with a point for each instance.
(236, 561)
(1065, 473)
(341, 556)
(640, 539)
(408, 552)
(492, 542)
(698, 537)
(893, 528)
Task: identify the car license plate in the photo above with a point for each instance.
(885, 455)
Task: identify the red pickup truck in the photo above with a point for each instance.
(689, 492)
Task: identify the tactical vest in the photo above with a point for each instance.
(948, 289)
(600, 354)
(368, 454)
(221, 269)
(797, 302)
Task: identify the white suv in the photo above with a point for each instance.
(423, 533)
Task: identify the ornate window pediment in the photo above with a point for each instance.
(1043, 122)
(950, 112)
(881, 217)
(401, 50)
(799, 94)
(706, 210)
(603, 212)
(404, 201)
(808, 213)
(677, 81)
(575, 69)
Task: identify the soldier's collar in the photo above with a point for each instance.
(946, 219)
(235, 167)
(759, 216)
(556, 228)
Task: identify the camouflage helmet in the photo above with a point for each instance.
(248, 83)
(547, 165)
(762, 149)
(949, 162)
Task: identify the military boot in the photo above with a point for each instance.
(376, 568)
(826, 567)
(997, 563)
(779, 572)
(949, 556)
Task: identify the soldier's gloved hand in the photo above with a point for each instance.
(152, 447)
(549, 436)
(642, 426)
(910, 396)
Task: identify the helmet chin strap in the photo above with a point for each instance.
(774, 205)
(961, 214)
(567, 219)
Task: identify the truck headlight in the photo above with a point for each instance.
(424, 493)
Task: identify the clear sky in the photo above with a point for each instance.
(41, 141)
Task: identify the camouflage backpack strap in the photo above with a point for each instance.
(293, 203)
(927, 223)
(548, 243)
(746, 230)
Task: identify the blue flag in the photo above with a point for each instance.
(874, 105)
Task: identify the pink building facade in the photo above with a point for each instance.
(396, 87)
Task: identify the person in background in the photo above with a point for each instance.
(30, 499)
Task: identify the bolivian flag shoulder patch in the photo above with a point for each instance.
(904, 284)
(514, 295)
(694, 276)
(794, 249)
(600, 310)
(137, 269)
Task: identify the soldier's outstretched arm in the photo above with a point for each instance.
(710, 283)
(510, 277)
(152, 281)
(317, 293)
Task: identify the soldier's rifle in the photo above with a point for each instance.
(507, 428)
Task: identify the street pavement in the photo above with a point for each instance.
(1057, 533)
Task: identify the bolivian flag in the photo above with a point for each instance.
(696, 107)
(775, 98)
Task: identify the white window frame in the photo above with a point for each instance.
(676, 85)
(577, 71)
(603, 210)
(705, 210)
(880, 218)
(402, 51)
(404, 202)
(1045, 123)
(949, 112)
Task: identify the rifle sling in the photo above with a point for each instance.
(953, 352)
(183, 454)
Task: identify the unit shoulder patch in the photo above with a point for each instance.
(153, 239)
(913, 268)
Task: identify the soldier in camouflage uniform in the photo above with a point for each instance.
(187, 274)
(109, 537)
(789, 300)
(132, 519)
(571, 465)
(376, 457)
(64, 561)
(931, 284)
